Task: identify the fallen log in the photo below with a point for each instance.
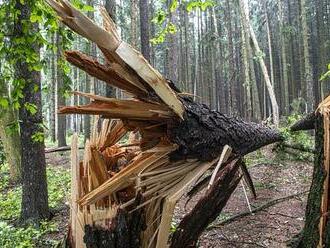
(125, 197)
(60, 149)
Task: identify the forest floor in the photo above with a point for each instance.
(272, 227)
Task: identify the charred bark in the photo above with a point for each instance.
(205, 132)
(306, 123)
(124, 231)
(208, 207)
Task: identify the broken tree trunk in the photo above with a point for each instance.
(316, 232)
(124, 196)
(306, 123)
(208, 207)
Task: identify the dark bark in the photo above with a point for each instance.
(61, 119)
(34, 183)
(306, 123)
(124, 231)
(207, 208)
(144, 29)
(310, 233)
(205, 132)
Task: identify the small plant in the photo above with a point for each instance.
(10, 207)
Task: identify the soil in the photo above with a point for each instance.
(271, 227)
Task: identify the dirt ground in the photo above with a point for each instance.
(271, 227)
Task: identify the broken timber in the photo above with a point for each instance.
(124, 196)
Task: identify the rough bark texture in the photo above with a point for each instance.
(208, 208)
(61, 120)
(310, 234)
(306, 123)
(10, 137)
(124, 231)
(144, 26)
(34, 183)
(205, 132)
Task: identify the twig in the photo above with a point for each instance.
(298, 147)
(254, 210)
(246, 197)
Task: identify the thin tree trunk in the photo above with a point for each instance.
(247, 80)
(260, 58)
(144, 29)
(307, 64)
(134, 19)
(173, 52)
(232, 89)
(285, 90)
(52, 123)
(61, 119)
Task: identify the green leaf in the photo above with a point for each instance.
(160, 17)
(30, 107)
(38, 137)
(88, 8)
(174, 5)
(171, 28)
(4, 103)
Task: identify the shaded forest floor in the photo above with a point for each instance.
(272, 227)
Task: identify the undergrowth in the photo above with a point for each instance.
(12, 236)
(303, 139)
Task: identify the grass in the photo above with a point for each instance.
(12, 236)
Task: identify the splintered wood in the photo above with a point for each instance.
(114, 176)
(111, 175)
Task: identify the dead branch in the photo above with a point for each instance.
(306, 123)
(61, 149)
(255, 210)
(208, 207)
(297, 147)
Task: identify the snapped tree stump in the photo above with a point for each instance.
(124, 196)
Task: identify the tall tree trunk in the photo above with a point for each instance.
(52, 123)
(9, 135)
(110, 6)
(285, 90)
(307, 64)
(144, 29)
(173, 52)
(134, 19)
(245, 52)
(260, 58)
(34, 182)
(232, 89)
(310, 234)
(61, 119)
